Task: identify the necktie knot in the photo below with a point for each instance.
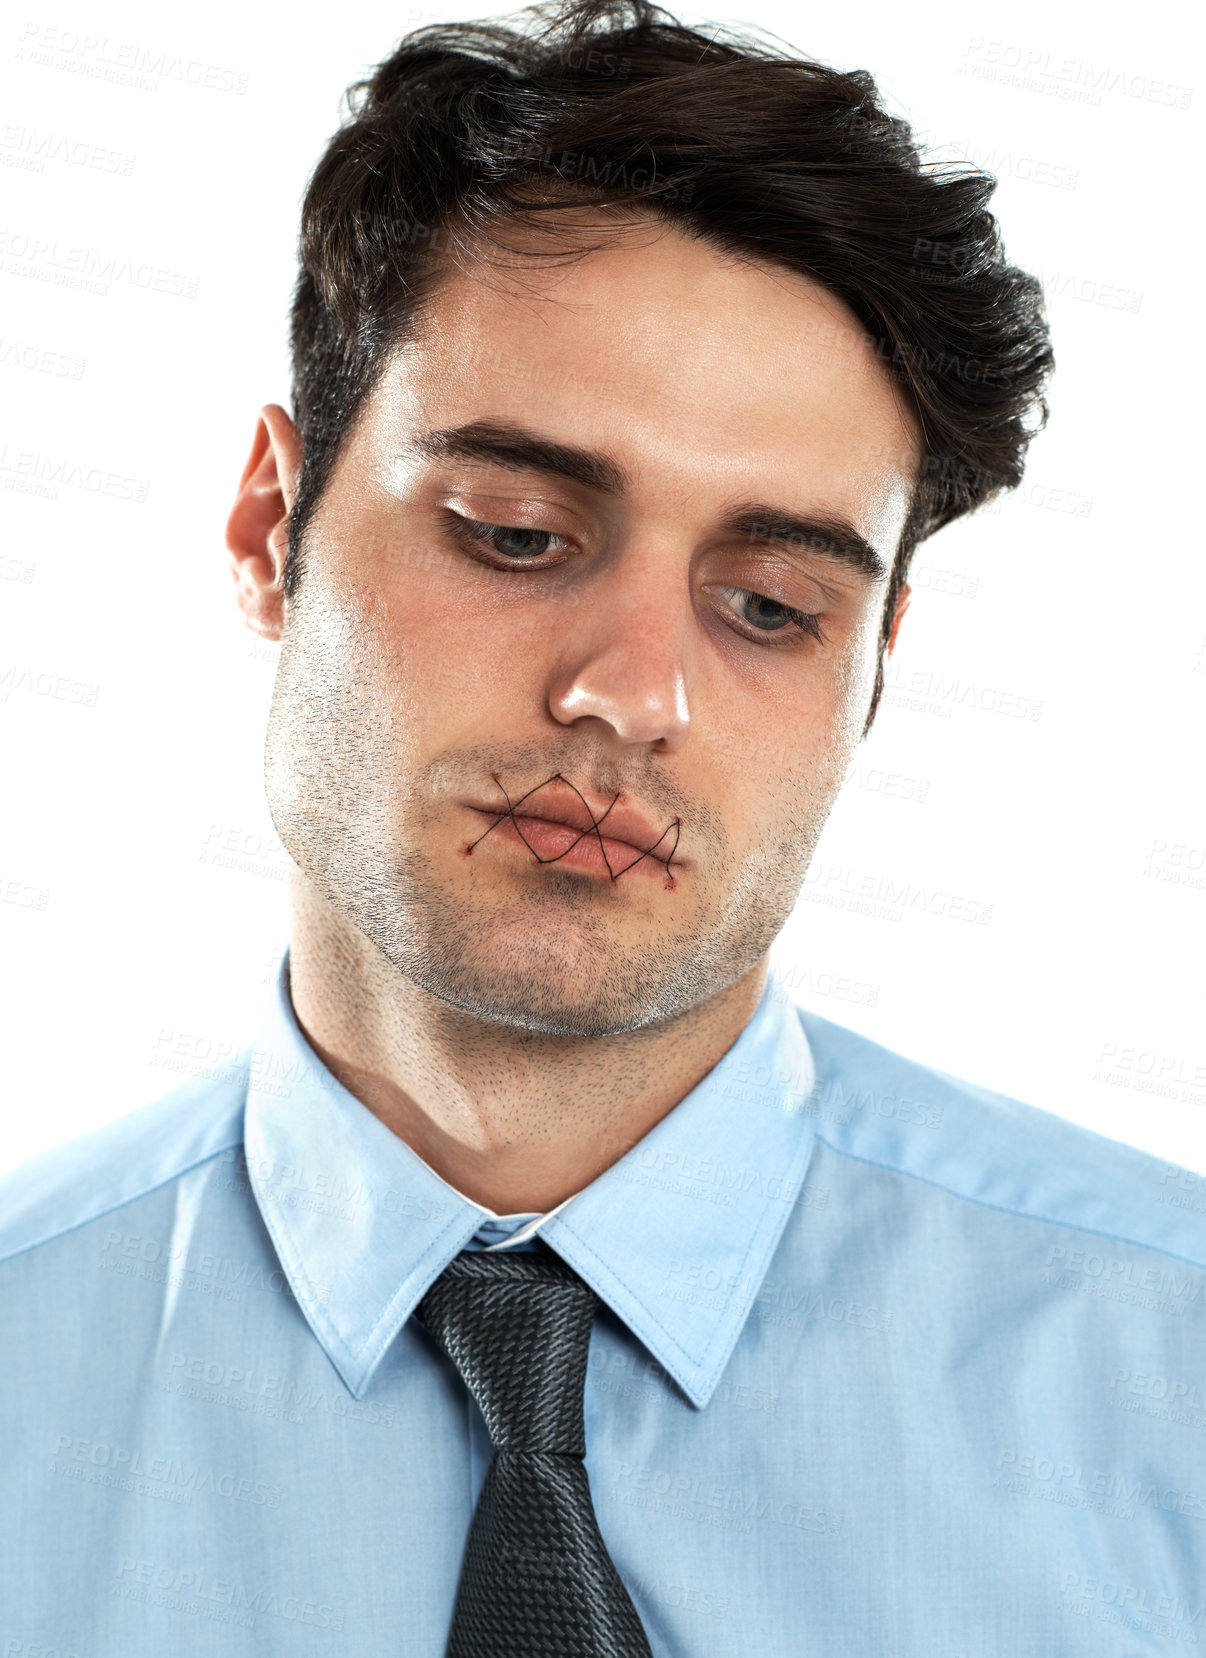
(517, 1328)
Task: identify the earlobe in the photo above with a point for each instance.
(902, 604)
(257, 531)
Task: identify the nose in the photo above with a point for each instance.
(623, 655)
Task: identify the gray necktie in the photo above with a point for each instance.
(536, 1580)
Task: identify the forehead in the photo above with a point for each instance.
(693, 368)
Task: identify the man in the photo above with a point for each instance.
(542, 1280)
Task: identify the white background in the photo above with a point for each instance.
(143, 890)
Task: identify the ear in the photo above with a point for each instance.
(902, 604)
(257, 531)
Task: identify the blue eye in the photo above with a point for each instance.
(511, 542)
(768, 616)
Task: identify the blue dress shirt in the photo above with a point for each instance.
(885, 1365)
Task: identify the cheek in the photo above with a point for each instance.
(801, 725)
(452, 661)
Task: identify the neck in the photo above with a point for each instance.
(514, 1119)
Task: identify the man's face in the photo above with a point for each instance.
(561, 563)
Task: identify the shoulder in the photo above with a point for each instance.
(99, 1172)
(875, 1105)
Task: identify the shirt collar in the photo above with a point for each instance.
(675, 1237)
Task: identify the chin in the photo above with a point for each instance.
(567, 998)
(595, 1007)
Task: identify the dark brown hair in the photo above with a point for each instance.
(468, 126)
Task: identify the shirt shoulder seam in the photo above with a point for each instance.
(112, 1208)
(1003, 1209)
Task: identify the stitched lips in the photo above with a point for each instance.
(624, 836)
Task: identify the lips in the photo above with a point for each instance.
(544, 814)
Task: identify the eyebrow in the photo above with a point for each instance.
(517, 449)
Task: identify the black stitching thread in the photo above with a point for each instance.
(560, 777)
